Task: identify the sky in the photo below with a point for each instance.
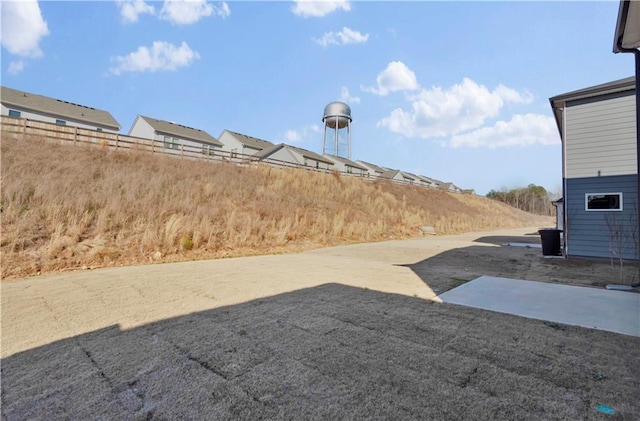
(456, 91)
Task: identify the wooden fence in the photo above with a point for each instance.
(20, 128)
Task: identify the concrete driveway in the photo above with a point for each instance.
(348, 332)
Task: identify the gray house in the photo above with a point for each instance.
(286, 154)
(20, 104)
(242, 144)
(174, 136)
(347, 166)
(598, 130)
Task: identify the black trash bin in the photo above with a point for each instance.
(550, 238)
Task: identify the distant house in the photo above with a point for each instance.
(173, 135)
(242, 144)
(20, 104)
(450, 187)
(287, 154)
(374, 170)
(597, 127)
(347, 166)
(398, 175)
(424, 181)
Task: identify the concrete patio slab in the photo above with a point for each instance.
(613, 311)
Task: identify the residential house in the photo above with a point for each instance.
(20, 104)
(597, 127)
(449, 187)
(374, 170)
(397, 175)
(174, 136)
(347, 166)
(424, 181)
(237, 143)
(283, 154)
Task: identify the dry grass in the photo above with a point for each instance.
(69, 207)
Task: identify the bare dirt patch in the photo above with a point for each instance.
(336, 333)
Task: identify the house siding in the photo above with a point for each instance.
(142, 129)
(600, 136)
(50, 118)
(588, 233)
(231, 144)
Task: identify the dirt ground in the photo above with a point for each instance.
(349, 332)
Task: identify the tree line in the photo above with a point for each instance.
(532, 199)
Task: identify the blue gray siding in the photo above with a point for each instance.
(588, 233)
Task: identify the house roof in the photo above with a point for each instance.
(627, 33)
(305, 153)
(393, 173)
(58, 108)
(249, 141)
(178, 130)
(559, 102)
(372, 166)
(346, 161)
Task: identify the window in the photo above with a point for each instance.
(603, 201)
(61, 122)
(99, 129)
(171, 142)
(14, 113)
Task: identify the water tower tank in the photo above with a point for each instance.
(337, 114)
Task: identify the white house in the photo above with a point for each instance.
(424, 181)
(286, 154)
(398, 175)
(600, 177)
(174, 136)
(374, 170)
(242, 144)
(20, 104)
(347, 166)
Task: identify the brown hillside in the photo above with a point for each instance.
(67, 207)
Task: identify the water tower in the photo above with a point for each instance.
(337, 116)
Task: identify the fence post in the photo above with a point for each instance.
(181, 151)
(117, 138)
(24, 128)
(75, 136)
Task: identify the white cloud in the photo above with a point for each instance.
(346, 36)
(187, 12)
(160, 56)
(346, 97)
(396, 77)
(15, 67)
(521, 130)
(22, 27)
(297, 136)
(131, 9)
(292, 136)
(319, 8)
(439, 112)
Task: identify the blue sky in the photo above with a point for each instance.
(457, 91)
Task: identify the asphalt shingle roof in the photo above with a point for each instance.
(180, 131)
(251, 142)
(57, 108)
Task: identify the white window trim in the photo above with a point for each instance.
(586, 202)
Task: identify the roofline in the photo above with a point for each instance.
(558, 102)
(66, 116)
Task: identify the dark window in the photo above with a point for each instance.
(99, 129)
(61, 122)
(603, 201)
(14, 113)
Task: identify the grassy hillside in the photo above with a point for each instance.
(67, 207)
